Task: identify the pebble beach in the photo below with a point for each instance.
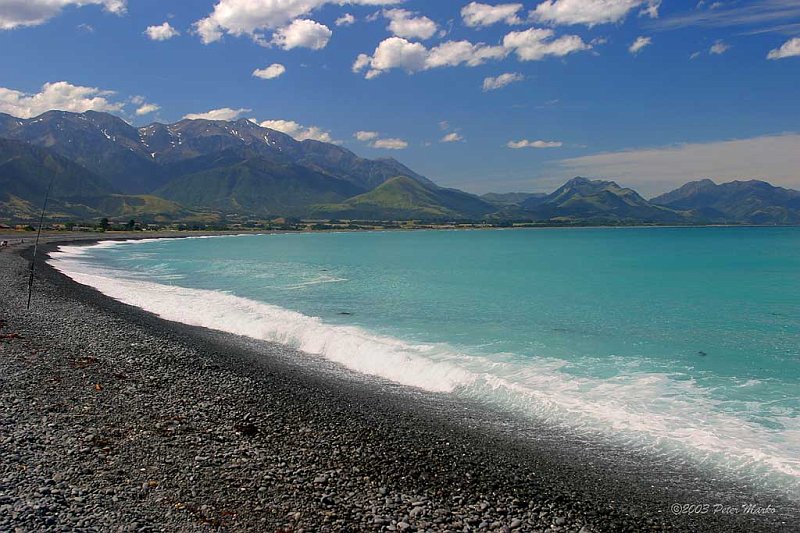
(112, 419)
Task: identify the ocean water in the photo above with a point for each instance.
(684, 342)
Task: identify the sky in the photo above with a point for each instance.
(481, 96)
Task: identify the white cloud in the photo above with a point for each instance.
(453, 137)
(361, 62)
(591, 12)
(525, 143)
(302, 33)
(225, 113)
(454, 53)
(374, 140)
(366, 136)
(790, 48)
(639, 44)
(530, 45)
(17, 13)
(163, 32)
(719, 48)
(394, 52)
(299, 132)
(273, 71)
(61, 95)
(252, 17)
(535, 44)
(774, 158)
(146, 109)
(498, 82)
(406, 24)
(770, 15)
(345, 20)
(476, 14)
(652, 7)
(390, 144)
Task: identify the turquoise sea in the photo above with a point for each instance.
(684, 342)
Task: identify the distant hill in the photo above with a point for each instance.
(142, 160)
(749, 202)
(581, 199)
(102, 143)
(405, 198)
(25, 175)
(510, 198)
(207, 170)
(26, 172)
(258, 186)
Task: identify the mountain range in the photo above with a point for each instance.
(208, 170)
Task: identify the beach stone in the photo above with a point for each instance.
(164, 447)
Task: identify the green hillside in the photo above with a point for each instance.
(258, 186)
(598, 201)
(405, 198)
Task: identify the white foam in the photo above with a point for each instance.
(669, 415)
(352, 347)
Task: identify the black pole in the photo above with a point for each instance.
(36, 244)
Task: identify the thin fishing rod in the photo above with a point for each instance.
(36, 244)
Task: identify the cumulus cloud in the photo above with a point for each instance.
(409, 25)
(790, 48)
(639, 44)
(394, 52)
(719, 48)
(374, 140)
(453, 137)
(591, 12)
(498, 82)
(273, 71)
(345, 20)
(61, 95)
(17, 13)
(390, 144)
(454, 53)
(164, 32)
(476, 14)
(366, 136)
(535, 44)
(299, 132)
(774, 158)
(530, 45)
(525, 143)
(146, 109)
(225, 113)
(303, 33)
(253, 17)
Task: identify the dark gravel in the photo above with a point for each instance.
(114, 420)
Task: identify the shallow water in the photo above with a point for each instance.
(681, 341)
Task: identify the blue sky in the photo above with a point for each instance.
(527, 94)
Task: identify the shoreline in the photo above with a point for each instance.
(65, 237)
(406, 464)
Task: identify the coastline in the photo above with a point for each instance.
(49, 236)
(240, 416)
